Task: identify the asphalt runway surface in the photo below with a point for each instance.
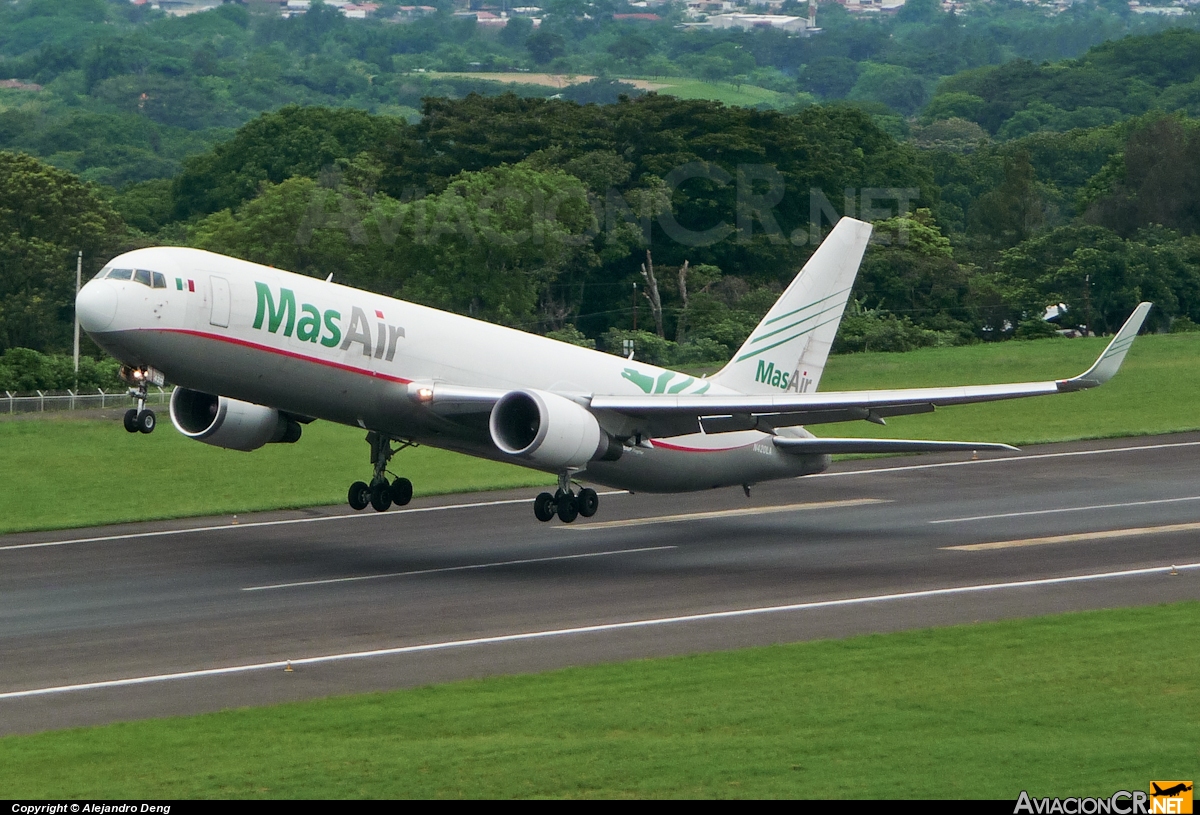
(181, 617)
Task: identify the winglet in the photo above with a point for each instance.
(1110, 361)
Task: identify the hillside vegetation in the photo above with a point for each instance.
(540, 212)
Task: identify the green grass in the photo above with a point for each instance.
(1156, 390)
(742, 95)
(61, 473)
(1078, 704)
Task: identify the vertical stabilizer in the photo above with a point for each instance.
(788, 349)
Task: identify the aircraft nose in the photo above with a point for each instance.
(96, 305)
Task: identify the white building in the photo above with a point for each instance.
(782, 22)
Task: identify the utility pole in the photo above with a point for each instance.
(635, 306)
(78, 283)
(1087, 305)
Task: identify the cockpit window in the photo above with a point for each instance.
(156, 280)
(102, 273)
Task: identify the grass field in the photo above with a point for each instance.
(726, 92)
(1078, 704)
(61, 473)
(743, 95)
(1156, 390)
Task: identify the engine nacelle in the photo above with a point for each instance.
(550, 430)
(229, 423)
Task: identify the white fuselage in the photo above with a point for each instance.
(318, 349)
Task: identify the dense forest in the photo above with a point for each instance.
(1001, 188)
(121, 93)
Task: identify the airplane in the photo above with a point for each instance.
(256, 352)
(1170, 792)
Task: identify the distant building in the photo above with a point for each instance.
(413, 12)
(637, 18)
(18, 85)
(1165, 11)
(484, 18)
(698, 7)
(781, 22)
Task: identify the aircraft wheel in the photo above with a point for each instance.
(401, 491)
(543, 507)
(359, 495)
(588, 502)
(131, 420)
(146, 421)
(568, 508)
(381, 495)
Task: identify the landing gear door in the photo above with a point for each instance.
(219, 316)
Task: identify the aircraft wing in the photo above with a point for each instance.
(657, 416)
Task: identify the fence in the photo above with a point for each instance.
(72, 400)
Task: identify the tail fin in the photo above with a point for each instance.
(788, 349)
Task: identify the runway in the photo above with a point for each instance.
(203, 614)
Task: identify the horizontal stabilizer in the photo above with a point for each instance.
(835, 446)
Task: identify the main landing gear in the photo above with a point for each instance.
(139, 419)
(565, 503)
(380, 494)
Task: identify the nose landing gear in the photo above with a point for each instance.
(565, 503)
(140, 419)
(380, 494)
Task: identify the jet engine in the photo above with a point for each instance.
(229, 423)
(549, 430)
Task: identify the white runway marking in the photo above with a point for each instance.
(471, 505)
(253, 524)
(1065, 509)
(589, 629)
(455, 568)
(1077, 537)
(725, 513)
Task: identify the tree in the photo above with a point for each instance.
(909, 270)
(499, 243)
(516, 31)
(1091, 268)
(293, 141)
(652, 295)
(632, 48)
(46, 217)
(830, 77)
(899, 88)
(1160, 182)
(919, 11)
(545, 46)
(1014, 211)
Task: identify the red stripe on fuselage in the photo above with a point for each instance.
(680, 448)
(259, 347)
(340, 366)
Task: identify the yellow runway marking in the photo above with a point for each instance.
(1076, 538)
(726, 513)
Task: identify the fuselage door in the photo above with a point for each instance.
(219, 315)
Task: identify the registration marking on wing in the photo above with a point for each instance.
(726, 513)
(1078, 537)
